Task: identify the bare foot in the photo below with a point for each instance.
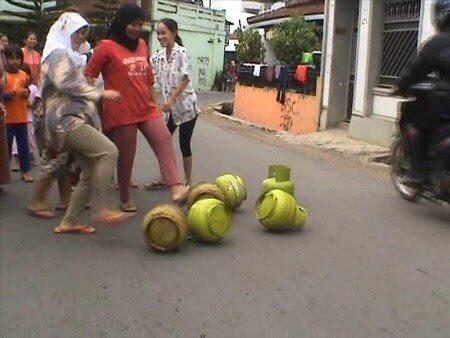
(180, 193)
(27, 178)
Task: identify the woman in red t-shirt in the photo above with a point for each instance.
(123, 61)
(32, 58)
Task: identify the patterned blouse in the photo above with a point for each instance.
(68, 101)
(169, 74)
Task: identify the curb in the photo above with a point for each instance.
(382, 158)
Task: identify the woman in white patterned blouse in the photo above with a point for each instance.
(173, 74)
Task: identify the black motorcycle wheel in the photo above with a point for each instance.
(400, 172)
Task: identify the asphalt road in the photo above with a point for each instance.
(368, 264)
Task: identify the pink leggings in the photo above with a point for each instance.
(159, 139)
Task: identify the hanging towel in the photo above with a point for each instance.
(301, 74)
(307, 58)
(257, 71)
(270, 73)
(277, 71)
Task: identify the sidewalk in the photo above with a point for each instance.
(336, 140)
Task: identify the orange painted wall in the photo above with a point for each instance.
(299, 115)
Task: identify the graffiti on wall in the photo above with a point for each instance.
(203, 64)
(287, 114)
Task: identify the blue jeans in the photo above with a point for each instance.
(20, 131)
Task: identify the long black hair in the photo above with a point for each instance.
(97, 33)
(127, 14)
(172, 26)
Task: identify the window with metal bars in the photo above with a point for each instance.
(400, 38)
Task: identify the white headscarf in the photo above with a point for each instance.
(59, 37)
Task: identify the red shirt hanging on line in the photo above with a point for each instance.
(301, 74)
(130, 74)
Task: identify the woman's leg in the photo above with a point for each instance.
(64, 187)
(125, 139)
(97, 157)
(39, 205)
(160, 183)
(186, 130)
(31, 142)
(160, 140)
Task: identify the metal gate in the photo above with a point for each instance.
(400, 38)
(351, 80)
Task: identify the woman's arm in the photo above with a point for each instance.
(97, 62)
(176, 94)
(152, 92)
(185, 69)
(68, 80)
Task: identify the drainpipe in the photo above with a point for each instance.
(323, 58)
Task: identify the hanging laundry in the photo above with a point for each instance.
(301, 74)
(307, 58)
(257, 71)
(270, 73)
(277, 71)
(283, 84)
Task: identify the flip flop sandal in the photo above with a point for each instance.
(155, 186)
(45, 214)
(81, 229)
(28, 180)
(128, 207)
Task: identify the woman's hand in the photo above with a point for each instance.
(112, 95)
(167, 106)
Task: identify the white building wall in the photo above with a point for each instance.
(329, 52)
(363, 55)
(426, 21)
(374, 110)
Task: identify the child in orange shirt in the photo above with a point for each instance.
(16, 99)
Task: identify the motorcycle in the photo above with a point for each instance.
(436, 185)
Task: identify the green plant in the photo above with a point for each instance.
(292, 38)
(250, 48)
(36, 15)
(105, 11)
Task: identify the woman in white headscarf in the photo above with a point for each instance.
(72, 121)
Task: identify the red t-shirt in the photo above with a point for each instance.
(130, 74)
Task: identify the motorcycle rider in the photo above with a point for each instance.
(420, 118)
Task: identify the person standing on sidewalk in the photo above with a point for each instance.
(73, 122)
(123, 61)
(173, 74)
